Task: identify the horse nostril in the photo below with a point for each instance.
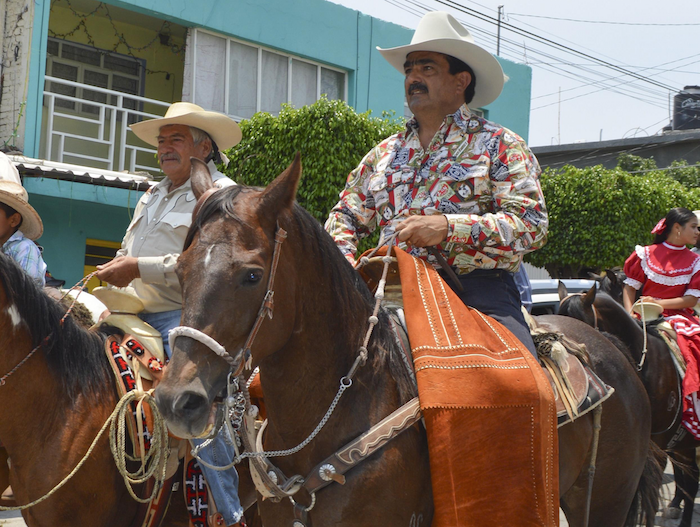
(189, 403)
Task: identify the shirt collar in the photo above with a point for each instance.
(17, 236)
(674, 247)
(460, 118)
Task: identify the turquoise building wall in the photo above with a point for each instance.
(74, 212)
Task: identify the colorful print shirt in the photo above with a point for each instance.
(482, 176)
(26, 253)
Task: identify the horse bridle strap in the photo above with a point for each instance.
(333, 467)
(213, 345)
(266, 309)
(595, 311)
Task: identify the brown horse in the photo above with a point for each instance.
(321, 308)
(53, 406)
(658, 374)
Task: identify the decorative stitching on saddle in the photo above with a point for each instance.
(457, 347)
(436, 303)
(470, 355)
(470, 366)
(500, 337)
(441, 283)
(532, 462)
(425, 304)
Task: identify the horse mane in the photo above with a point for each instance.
(318, 245)
(72, 353)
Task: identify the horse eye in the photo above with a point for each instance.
(253, 277)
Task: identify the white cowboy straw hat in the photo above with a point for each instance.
(8, 170)
(15, 195)
(222, 129)
(647, 311)
(440, 32)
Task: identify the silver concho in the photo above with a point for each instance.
(325, 472)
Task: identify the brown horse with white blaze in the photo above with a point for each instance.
(321, 309)
(54, 402)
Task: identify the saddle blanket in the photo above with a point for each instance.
(474, 378)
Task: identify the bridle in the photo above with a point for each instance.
(242, 356)
(595, 311)
(269, 480)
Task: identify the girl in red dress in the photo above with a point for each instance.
(669, 274)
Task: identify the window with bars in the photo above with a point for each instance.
(94, 67)
(240, 79)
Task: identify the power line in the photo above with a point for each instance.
(522, 32)
(600, 21)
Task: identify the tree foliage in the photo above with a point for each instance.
(597, 215)
(331, 137)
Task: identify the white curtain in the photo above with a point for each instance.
(274, 82)
(209, 75)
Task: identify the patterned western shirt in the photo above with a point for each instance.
(26, 253)
(480, 175)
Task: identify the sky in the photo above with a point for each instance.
(625, 61)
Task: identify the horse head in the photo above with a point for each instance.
(613, 283)
(225, 271)
(578, 305)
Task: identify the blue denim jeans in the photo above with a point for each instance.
(223, 484)
(494, 293)
(163, 322)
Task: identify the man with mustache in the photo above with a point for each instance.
(493, 211)
(471, 196)
(154, 240)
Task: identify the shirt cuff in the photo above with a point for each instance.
(152, 269)
(693, 292)
(633, 283)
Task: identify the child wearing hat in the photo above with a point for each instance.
(19, 223)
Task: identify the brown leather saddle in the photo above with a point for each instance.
(577, 388)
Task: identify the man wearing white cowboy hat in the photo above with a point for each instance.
(156, 235)
(19, 223)
(452, 179)
(467, 189)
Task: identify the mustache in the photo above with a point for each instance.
(417, 86)
(169, 157)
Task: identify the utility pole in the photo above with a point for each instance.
(498, 37)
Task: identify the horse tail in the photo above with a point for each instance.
(646, 500)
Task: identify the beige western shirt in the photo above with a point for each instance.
(156, 236)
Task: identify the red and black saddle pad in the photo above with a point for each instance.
(198, 499)
(126, 382)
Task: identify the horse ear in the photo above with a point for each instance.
(612, 276)
(280, 194)
(589, 297)
(200, 177)
(594, 276)
(563, 292)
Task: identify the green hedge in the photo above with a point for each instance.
(597, 215)
(331, 137)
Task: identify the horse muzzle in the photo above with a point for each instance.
(188, 413)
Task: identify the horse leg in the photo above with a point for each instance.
(621, 468)
(690, 490)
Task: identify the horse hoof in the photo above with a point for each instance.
(672, 512)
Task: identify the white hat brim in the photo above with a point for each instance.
(222, 129)
(32, 227)
(487, 70)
